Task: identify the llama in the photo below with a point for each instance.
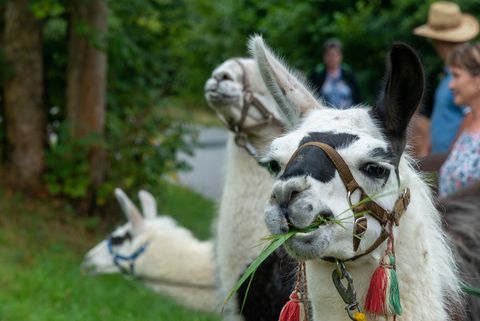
(238, 95)
(308, 186)
(158, 252)
(461, 221)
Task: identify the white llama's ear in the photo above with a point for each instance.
(149, 205)
(290, 92)
(131, 211)
(402, 94)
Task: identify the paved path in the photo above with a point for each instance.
(206, 176)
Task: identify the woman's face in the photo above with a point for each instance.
(465, 87)
(332, 58)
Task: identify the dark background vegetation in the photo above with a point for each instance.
(157, 55)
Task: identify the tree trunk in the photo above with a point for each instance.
(86, 79)
(25, 115)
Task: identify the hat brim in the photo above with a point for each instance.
(466, 31)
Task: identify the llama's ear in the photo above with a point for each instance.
(402, 94)
(131, 211)
(288, 89)
(149, 205)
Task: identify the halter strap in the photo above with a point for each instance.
(367, 205)
(130, 259)
(239, 129)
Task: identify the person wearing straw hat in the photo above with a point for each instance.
(447, 27)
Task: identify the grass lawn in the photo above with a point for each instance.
(42, 244)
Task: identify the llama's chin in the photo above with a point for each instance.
(311, 245)
(221, 99)
(216, 97)
(91, 269)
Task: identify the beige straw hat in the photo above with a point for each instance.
(447, 23)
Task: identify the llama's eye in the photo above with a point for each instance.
(272, 166)
(118, 240)
(375, 170)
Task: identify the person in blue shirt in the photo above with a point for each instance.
(435, 130)
(337, 84)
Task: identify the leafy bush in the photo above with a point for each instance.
(142, 147)
(67, 164)
(141, 139)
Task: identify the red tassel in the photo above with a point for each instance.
(294, 309)
(377, 292)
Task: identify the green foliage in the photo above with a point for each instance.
(142, 66)
(142, 146)
(67, 164)
(142, 139)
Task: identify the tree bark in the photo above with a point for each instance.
(25, 115)
(86, 78)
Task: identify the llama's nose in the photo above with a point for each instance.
(222, 75)
(285, 195)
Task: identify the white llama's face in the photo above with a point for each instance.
(123, 241)
(370, 140)
(129, 239)
(225, 91)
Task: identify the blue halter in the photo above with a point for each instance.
(130, 259)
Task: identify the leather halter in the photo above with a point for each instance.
(366, 205)
(241, 131)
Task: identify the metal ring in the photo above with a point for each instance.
(352, 307)
(240, 140)
(339, 269)
(349, 195)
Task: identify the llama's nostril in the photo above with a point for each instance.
(222, 76)
(286, 214)
(284, 229)
(294, 194)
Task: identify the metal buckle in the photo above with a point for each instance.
(349, 196)
(241, 140)
(400, 206)
(348, 293)
(359, 230)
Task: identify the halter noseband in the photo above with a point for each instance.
(130, 259)
(239, 129)
(366, 204)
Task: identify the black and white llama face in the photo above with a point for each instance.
(370, 140)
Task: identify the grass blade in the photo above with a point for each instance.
(281, 238)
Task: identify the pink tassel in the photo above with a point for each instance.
(377, 292)
(294, 309)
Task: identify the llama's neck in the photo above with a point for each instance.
(180, 266)
(172, 262)
(240, 225)
(425, 265)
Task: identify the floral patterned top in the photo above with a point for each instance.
(462, 166)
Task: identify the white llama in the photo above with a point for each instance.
(239, 96)
(371, 142)
(157, 251)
